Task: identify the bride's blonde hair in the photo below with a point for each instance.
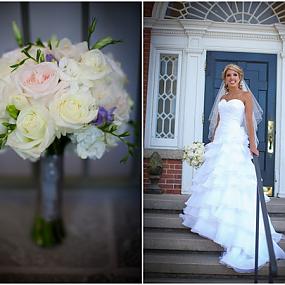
(235, 68)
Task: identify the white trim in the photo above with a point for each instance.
(151, 141)
(160, 9)
(194, 38)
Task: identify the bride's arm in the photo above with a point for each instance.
(218, 120)
(249, 122)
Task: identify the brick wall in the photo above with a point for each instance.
(146, 50)
(170, 181)
(147, 7)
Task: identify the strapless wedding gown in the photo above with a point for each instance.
(222, 206)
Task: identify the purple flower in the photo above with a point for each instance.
(50, 57)
(104, 116)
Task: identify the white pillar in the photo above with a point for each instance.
(194, 78)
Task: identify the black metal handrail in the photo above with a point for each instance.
(260, 200)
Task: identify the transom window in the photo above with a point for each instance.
(265, 13)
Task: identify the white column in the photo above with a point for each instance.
(194, 78)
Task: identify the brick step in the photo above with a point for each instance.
(187, 241)
(196, 263)
(172, 221)
(176, 202)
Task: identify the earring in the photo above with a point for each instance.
(240, 85)
(226, 87)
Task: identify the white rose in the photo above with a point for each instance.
(14, 97)
(94, 65)
(38, 80)
(33, 134)
(66, 49)
(116, 67)
(5, 69)
(70, 72)
(109, 95)
(72, 111)
(15, 55)
(3, 98)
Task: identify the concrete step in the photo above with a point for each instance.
(178, 241)
(195, 263)
(190, 278)
(188, 241)
(176, 202)
(172, 221)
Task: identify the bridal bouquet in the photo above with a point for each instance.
(56, 92)
(194, 155)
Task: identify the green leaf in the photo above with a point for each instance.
(39, 43)
(124, 159)
(24, 51)
(27, 48)
(49, 44)
(17, 34)
(10, 127)
(15, 66)
(5, 124)
(91, 30)
(113, 128)
(38, 55)
(105, 42)
(12, 111)
(125, 134)
(3, 142)
(42, 58)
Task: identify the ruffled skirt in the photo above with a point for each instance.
(222, 206)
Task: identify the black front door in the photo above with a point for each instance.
(260, 75)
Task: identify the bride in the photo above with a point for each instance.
(222, 206)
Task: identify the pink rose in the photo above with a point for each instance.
(38, 80)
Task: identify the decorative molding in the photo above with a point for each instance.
(164, 153)
(194, 50)
(215, 30)
(177, 33)
(239, 36)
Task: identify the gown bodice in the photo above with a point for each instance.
(231, 124)
(231, 112)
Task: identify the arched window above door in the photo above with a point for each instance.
(265, 13)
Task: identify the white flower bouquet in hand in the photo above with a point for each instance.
(55, 92)
(194, 155)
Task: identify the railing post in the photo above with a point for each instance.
(256, 238)
(261, 201)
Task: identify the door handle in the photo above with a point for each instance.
(270, 136)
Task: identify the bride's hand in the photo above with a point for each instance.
(254, 150)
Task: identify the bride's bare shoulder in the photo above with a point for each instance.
(246, 95)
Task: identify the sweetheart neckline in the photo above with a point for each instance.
(227, 101)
